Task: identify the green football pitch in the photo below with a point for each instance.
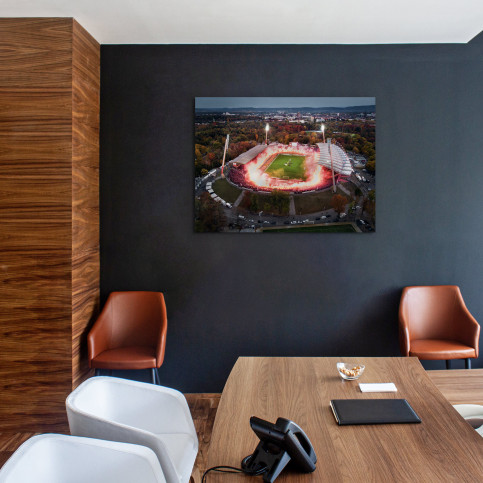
(287, 166)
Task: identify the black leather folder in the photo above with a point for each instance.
(373, 411)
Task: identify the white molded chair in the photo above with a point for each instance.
(57, 458)
(473, 413)
(135, 412)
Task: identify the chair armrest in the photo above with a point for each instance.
(100, 334)
(404, 340)
(468, 327)
(161, 343)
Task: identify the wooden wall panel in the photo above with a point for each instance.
(85, 307)
(39, 189)
(33, 152)
(85, 194)
(35, 52)
(40, 108)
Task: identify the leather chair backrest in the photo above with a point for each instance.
(431, 311)
(136, 318)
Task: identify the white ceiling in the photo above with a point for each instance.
(264, 21)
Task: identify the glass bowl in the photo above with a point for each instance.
(350, 371)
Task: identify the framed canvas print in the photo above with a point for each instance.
(285, 164)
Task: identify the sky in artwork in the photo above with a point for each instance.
(279, 102)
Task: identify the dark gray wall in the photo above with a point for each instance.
(293, 294)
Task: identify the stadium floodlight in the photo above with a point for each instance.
(266, 133)
(322, 128)
(334, 189)
(224, 154)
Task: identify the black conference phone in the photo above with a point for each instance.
(280, 443)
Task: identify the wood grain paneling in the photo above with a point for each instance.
(34, 153)
(33, 283)
(35, 52)
(85, 194)
(35, 110)
(85, 307)
(48, 277)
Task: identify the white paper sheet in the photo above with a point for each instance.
(378, 387)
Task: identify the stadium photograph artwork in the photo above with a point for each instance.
(285, 164)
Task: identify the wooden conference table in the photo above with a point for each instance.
(443, 448)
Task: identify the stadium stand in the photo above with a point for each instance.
(247, 156)
(340, 160)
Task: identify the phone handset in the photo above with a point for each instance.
(300, 448)
(280, 443)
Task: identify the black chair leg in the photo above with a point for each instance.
(468, 363)
(448, 364)
(98, 372)
(153, 375)
(157, 377)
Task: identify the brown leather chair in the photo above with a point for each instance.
(130, 333)
(434, 324)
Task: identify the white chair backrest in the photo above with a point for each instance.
(135, 412)
(55, 458)
(151, 408)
